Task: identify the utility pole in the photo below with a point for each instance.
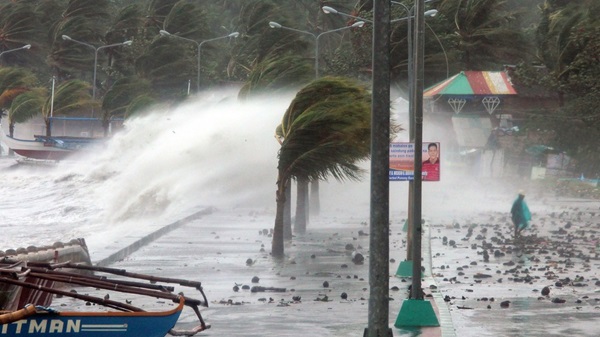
(380, 159)
(417, 98)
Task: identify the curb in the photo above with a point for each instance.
(124, 252)
(446, 324)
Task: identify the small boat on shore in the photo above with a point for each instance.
(13, 297)
(43, 321)
(69, 135)
(49, 148)
(109, 317)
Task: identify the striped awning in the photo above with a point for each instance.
(473, 83)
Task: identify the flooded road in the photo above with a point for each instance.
(317, 289)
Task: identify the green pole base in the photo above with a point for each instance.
(405, 227)
(416, 313)
(405, 269)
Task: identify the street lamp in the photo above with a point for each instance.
(276, 25)
(96, 49)
(331, 10)
(199, 44)
(410, 16)
(27, 46)
(357, 24)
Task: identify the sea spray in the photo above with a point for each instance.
(213, 151)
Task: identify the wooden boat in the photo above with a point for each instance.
(69, 136)
(13, 297)
(49, 148)
(115, 319)
(42, 321)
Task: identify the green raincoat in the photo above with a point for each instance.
(520, 213)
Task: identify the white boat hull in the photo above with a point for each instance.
(36, 149)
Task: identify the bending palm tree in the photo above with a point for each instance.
(25, 106)
(14, 82)
(324, 132)
(70, 97)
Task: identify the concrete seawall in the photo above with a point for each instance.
(146, 239)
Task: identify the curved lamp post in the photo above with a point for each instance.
(27, 46)
(357, 24)
(199, 44)
(331, 10)
(96, 50)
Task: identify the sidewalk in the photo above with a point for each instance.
(493, 286)
(227, 248)
(214, 249)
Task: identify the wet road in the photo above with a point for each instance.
(228, 248)
(559, 252)
(214, 249)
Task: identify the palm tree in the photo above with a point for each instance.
(326, 130)
(122, 93)
(125, 26)
(164, 67)
(26, 106)
(556, 46)
(19, 93)
(278, 73)
(138, 104)
(13, 82)
(69, 98)
(84, 21)
(19, 26)
(488, 32)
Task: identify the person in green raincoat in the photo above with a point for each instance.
(520, 214)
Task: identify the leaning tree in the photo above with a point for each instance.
(325, 132)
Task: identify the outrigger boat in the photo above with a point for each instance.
(69, 136)
(49, 148)
(14, 297)
(117, 319)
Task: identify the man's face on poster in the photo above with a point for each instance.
(432, 151)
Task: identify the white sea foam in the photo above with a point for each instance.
(211, 151)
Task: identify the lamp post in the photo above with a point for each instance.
(406, 268)
(315, 183)
(27, 46)
(416, 303)
(96, 50)
(357, 24)
(331, 10)
(199, 44)
(379, 245)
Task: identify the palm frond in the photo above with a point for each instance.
(326, 131)
(27, 105)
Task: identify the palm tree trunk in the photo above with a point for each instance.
(315, 202)
(287, 213)
(48, 127)
(277, 247)
(301, 206)
(105, 127)
(11, 132)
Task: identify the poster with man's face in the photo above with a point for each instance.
(402, 166)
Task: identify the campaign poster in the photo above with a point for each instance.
(402, 165)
